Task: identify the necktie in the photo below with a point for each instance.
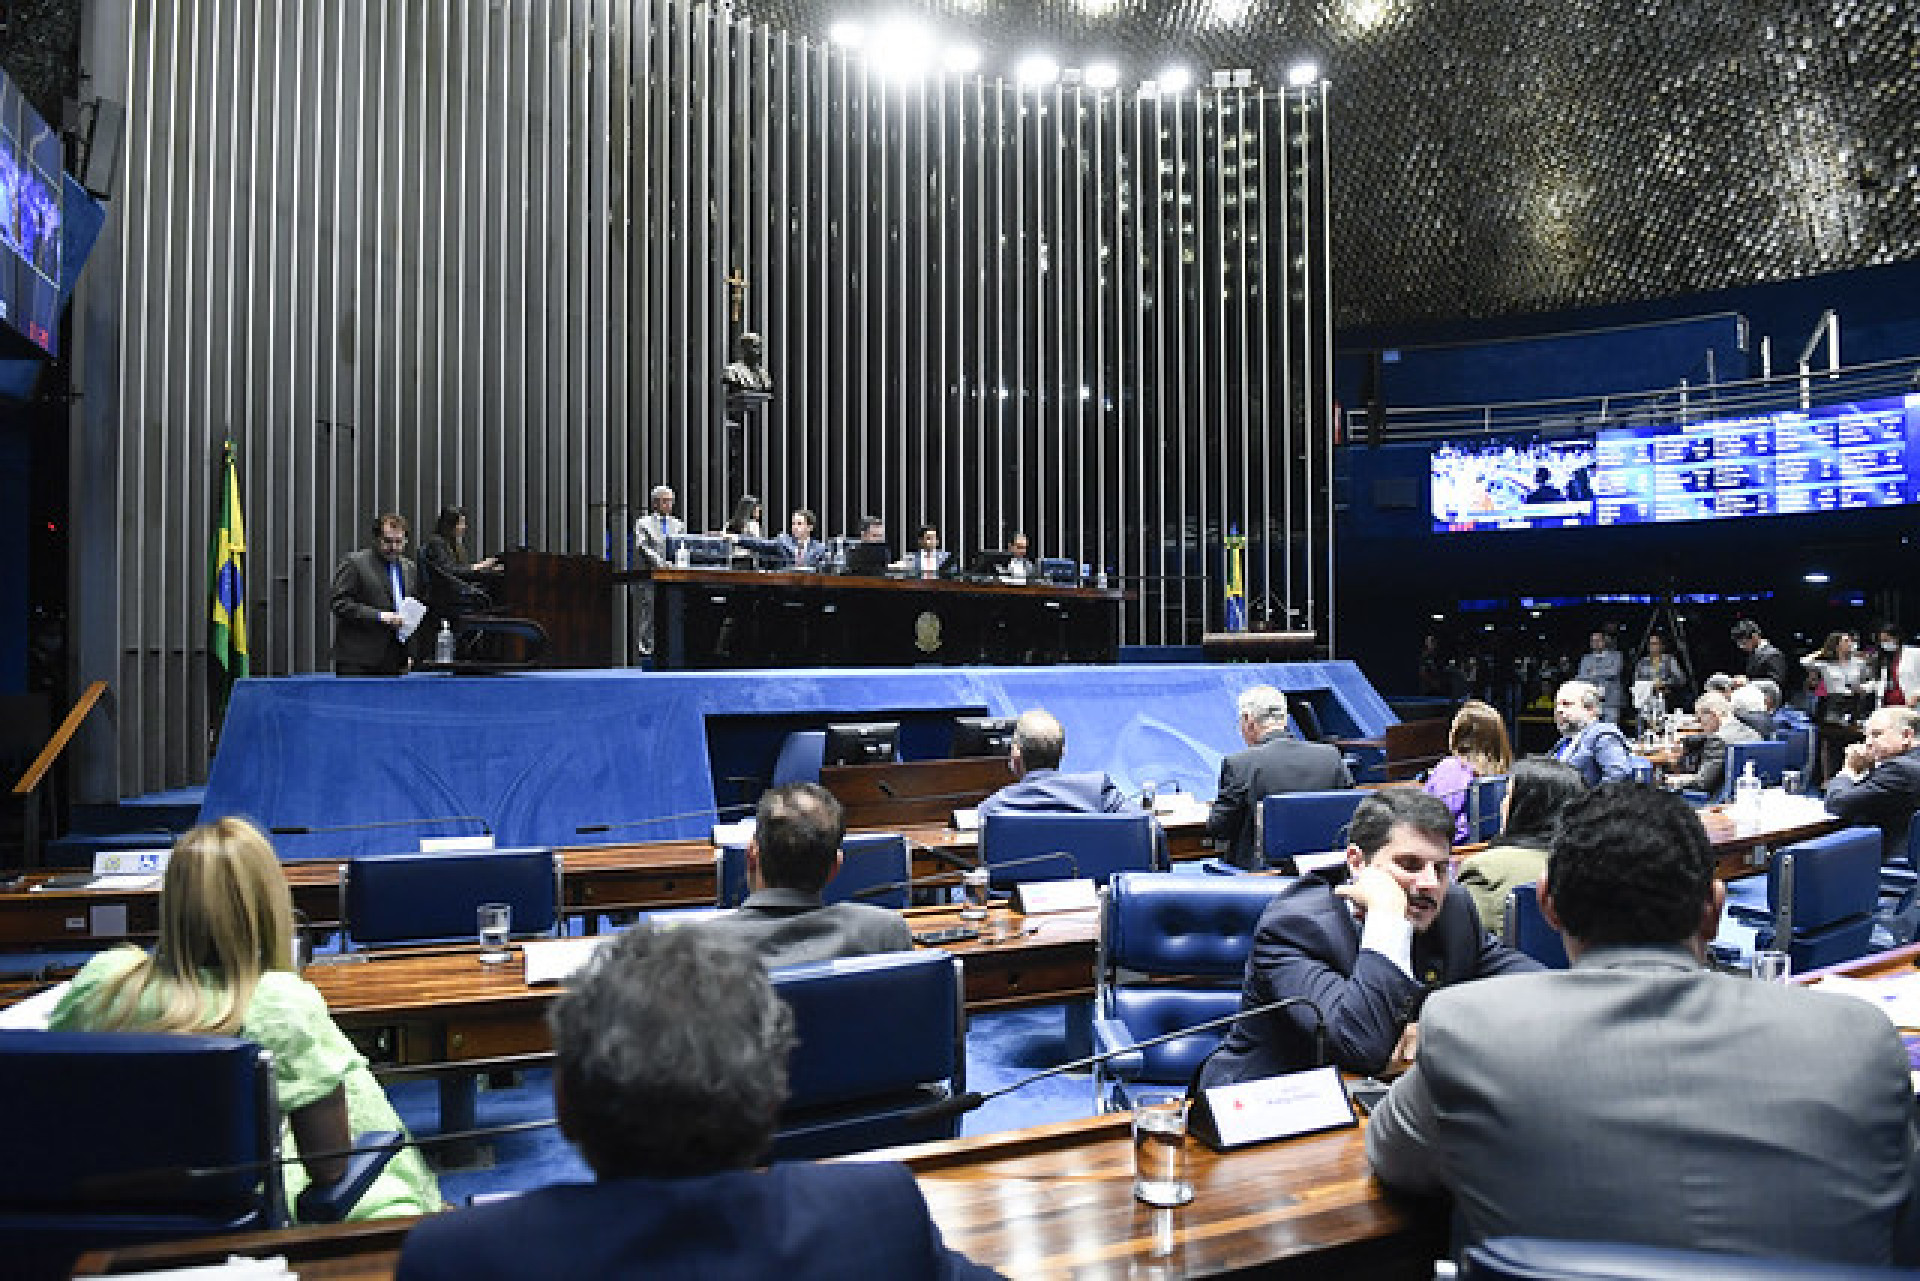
(399, 589)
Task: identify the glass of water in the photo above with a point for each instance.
(1160, 1153)
(1772, 966)
(975, 885)
(496, 924)
(1790, 782)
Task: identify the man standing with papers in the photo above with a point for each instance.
(372, 589)
(1609, 1102)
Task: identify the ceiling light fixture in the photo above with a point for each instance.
(1302, 74)
(1037, 69)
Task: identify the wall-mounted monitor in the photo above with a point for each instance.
(31, 187)
(982, 736)
(862, 743)
(1843, 457)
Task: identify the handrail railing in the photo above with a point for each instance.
(36, 773)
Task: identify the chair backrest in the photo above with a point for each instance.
(95, 1105)
(849, 1089)
(868, 860)
(1095, 845)
(1769, 761)
(1822, 894)
(801, 754)
(1799, 754)
(1527, 929)
(1545, 1259)
(415, 898)
(1307, 822)
(1484, 796)
(1200, 926)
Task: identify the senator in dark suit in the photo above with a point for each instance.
(1039, 786)
(795, 851)
(1366, 952)
(798, 544)
(1594, 1103)
(1273, 763)
(365, 600)
(672, 1052)
(1880, 785)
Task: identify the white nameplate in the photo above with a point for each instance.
(1319, 862)
(966, 820)
(130, 862)
(454, 844)
(1033, 897)
(1275, 1107)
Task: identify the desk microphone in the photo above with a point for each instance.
(329, 828)
(959, 1104)
(954, 878)
(714, 811)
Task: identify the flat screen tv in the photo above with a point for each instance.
(31, 187)
(862, 743)
(982, 736)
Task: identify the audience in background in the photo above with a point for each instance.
(1273, 762)
(1537, 790)
(1478, 742)
(1365, 952)
(794, 852)
(1764, 658)
(1662, 678)
(1895, 677)
(1593, 1104)
(672, 1070)
(1602, 667)
(223, 966)
(1749, 706)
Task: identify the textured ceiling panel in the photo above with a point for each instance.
(1494, 158)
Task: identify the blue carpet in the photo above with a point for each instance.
(1002, 1047)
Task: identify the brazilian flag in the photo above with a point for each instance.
(1236, 603)
(227, 587)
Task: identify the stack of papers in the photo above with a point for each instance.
(1898, 998)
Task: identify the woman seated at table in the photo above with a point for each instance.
(1478, 741)
(223, 966)
(1537, 790)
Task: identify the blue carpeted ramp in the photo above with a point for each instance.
(538, 755)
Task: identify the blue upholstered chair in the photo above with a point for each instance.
(1527, 930)
(1095, 845)
(1544, 1259)
(851, 1090)
(1173, 951)
(1799, 753)
(1821, 896)
(108, 1123)
(415, 898)
(801, 755)
(870, 859)
(1484, 798)
(1305, 823)
(1769, 757)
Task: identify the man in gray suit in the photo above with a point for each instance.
(651, 534)
(1640, 1097)
(1274, 762)
(795, 851)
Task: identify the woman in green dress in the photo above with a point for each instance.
(223, 966)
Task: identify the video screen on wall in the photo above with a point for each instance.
(1834, 458)
(31, 183)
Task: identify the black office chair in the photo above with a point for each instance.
(125, 1138)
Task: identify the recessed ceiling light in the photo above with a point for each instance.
(849, 34)
(1102, 75)
(1037, 69)
(1174, 80)
(1302, 74)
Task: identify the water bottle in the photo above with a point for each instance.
(1746, 798)
(443, 644)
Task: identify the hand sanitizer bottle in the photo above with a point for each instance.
(1746, 799)
(443, 644)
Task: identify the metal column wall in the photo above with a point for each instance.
(416, 253)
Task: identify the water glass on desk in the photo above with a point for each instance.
(1772, 966)
(1160, 1153)
(496, 926)
(975, 886)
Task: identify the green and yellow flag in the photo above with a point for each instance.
(227, 586)
(1236, 593)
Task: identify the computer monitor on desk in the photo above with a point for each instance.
(1060, 571)
(982, 736)
(991, 564)
(871, 559)
(707, 551)
(861, 743)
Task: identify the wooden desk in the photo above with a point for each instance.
(1052, 1201)
(711, 619)
(917, 793)
(1739, 853)
(594, 878)
(434, 1007)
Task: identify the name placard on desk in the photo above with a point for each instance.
(1030, 898)
(1274, 1107)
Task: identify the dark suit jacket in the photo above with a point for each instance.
(1308, 944)
(790, 927)
(1767, 661)
(1278, 764)
(795, 1222)
(1048, 791)
(815, 553)
(1886, 797)
(361, 593)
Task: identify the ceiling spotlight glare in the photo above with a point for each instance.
(1037, 69)
(1102, 75)
(1174, 80)
(1302, 74)
(961, 59)
(902, 49)
(850, 35)
(1817, 576)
